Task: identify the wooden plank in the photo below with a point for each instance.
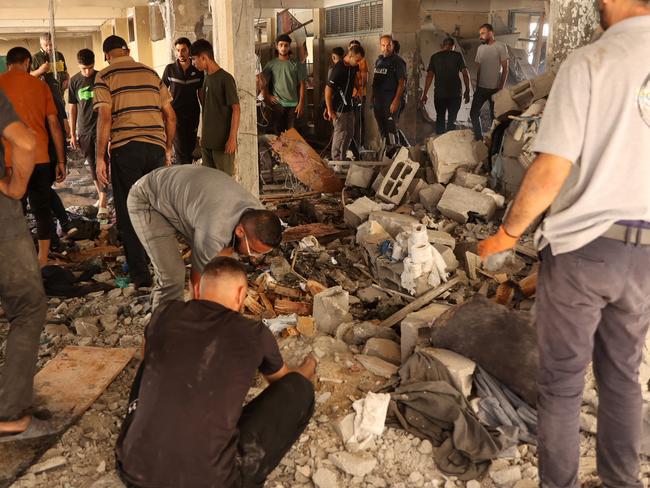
(293, 234)
(285, 291)
(67, 386)
(285, 307)
(419, 302)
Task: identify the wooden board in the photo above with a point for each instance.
(67, 386)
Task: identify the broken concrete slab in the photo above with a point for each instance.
(86, 326)
(461, 369)
(447, 253)
(331, 308)
(505, 105)
(361, 176)
(325, 478)
(377, 366)
(442, 238)
(458, 203)
(469, 180)
(383, 349)
(415, 328)
(359, 464)
(416, 186)
(393, 222)
(357, 212)
(396, 182)
(357, 333)
(454, 150)
(431, 195)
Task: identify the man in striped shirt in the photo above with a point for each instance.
(135, 113)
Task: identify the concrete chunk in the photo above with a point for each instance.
(442, 238)
(325, 478)
(353, 464)
(384, 349)
(357, 212)
(393, 222)
(460, 368)
(416, 186)
(377, 366)
(331, 308)
(469, 180)
(454, 150)
(431, 195)
(400, 175)
(361, 176)
(415, 328)
(457, 203)
(451, 263)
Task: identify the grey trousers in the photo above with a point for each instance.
(342, 137)
(23, 300)
(592, 304)
(218, 160)
(158, 237)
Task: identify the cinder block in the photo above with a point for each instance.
(361, 176)
(453, 150)
(357, 212)
(431, 195)
(458, 202)
(460, 368)
(397, 181)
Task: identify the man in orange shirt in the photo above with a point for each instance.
(33, 102)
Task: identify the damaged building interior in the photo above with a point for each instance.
(324, 243)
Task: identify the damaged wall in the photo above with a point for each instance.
(573, 24)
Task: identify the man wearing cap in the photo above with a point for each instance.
(135, 113)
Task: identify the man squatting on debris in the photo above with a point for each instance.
(594, 280)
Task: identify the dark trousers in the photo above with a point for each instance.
(481, 95)
(129, 163)
(592, 304)
(185, 139)
(387, 124)
(446, 108)
(39, 193)
(23, 300)
(282, 118)
(359, 125)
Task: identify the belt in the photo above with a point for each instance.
(629, 235)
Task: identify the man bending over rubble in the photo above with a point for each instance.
(186, 427)
(212, 211)
(594, 284)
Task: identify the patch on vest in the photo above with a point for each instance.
(643, 100)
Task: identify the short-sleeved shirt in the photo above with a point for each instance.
(285, 78)
(490, 57)
(199, 362)
(342, 79)
(363, 71)
(446, 66)
(389, 70)
(7, 116)
(136, 96)
(41, 57)
(219, 95)
(184, 86)
(601, 123)
(201, 203)
(81, 92)
(33, 102)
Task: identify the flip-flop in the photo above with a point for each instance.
(37, 428)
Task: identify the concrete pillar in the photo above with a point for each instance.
(235, 52)
(143, 35)
(572, 24)
(321, 62)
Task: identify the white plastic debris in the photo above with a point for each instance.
(281, 322)
(358, 430)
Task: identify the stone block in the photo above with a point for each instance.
(357, 212)
(384, 349)
(458, 203)
(390, 272)
(415, 328)
(397, 180)
(393, 222)
(344, 427)
(541, 85)
(511, 147)
(440, 237)
(361, 176)
(454, 150)
(331, 308)
(86, 326)
(460, 368)
(353, 464)
(377, 366)
(469, 180)
(325, 478)
(447, 253)
(431, 195)
(416, 186)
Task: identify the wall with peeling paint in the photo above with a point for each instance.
(573, 23)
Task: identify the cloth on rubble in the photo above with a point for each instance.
(428, 406)
(61, 282)
(501, 408)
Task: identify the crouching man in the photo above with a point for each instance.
(212, 211)
(186, 427)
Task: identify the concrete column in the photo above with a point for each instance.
(321, 62)
(143, 35)
(572, 24)
(235, 52)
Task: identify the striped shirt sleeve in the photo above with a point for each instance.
(102, 94)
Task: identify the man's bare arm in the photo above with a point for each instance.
(57, 137)
(170, 130)
(307, 369)
(104, 123)
(22, 143)
(73, 124)
(505, 67)
(231, 143)
(427, 86)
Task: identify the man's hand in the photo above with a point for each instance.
(272, 100)
(60, 172)
(102, 171)
(66, 127)
(308, 367)
(466, 96)
(424, 99)
(73, 141)
(326, 115)
(231, 145)
(499, 242)
(394, 107)
(332, 115)
(300, 109)
(168, 157)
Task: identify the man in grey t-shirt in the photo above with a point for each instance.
(492, 74)
(594, 281)
(212, 211)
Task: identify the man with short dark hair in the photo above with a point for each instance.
(445, 66)
(286, 77)
(21, 286)
(187, 426)
(221, 111)
(388, 86)
(339, 102)
(492, 74)
(81, 96)
(184, 82)
(42, 67)
(34, 104)
(135, 112)
(215, 214)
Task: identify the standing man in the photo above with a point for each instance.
(360, 93)
(388, 86)
(135, 112)
(492, 74)
(42, 67)
(221, 111)
(33, 102)
(284, 89)
(184, 82)
(81, 95)
(339, 101)
(445, 67)
(212, 211)
(21, 286)
(594, 286)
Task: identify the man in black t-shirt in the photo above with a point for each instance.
(81, 96)
(338, 99)
(388, 86)
(185, 425)
(445, 66)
